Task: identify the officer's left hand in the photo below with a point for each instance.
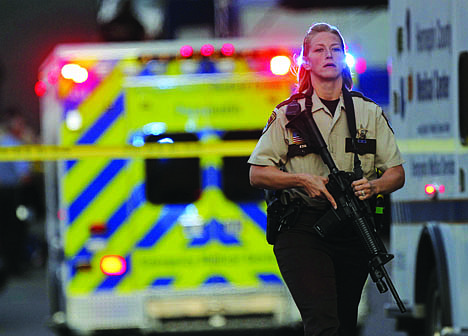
(363, 188)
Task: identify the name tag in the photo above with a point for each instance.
(364, 146)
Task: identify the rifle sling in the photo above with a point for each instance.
(351, 120)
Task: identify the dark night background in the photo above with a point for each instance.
(29, 30)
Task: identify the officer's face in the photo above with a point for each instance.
(326, 58)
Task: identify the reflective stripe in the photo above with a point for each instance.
(100, 127)
(96, 102)
(422, 146)
(255, 213)
(163, 282)
(168, 218)
(270, 278)
(420, 212)
(135, 200)
(216, 280)
(211, 177)
(93, 189)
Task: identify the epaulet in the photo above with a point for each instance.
(360, 95)
(290, 99)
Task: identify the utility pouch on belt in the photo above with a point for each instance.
(281, 212)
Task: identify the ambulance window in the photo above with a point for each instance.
(463, 97)
(172, 180)
(235, 177)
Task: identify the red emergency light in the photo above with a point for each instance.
(113, 265)
(227, 49)
(186, 51)
(207, 50)
(40, 88)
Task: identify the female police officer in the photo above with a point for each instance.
(324, 275)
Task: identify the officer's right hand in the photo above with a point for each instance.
(315, 187)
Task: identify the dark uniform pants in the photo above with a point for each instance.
(325, 278)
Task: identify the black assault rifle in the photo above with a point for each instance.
(350, 208)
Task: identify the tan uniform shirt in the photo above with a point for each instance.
(272, 147)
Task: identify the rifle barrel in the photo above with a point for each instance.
(395, 295)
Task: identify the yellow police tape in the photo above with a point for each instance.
(153, 150)
(184, 150)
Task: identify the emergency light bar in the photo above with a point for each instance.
(214, 56)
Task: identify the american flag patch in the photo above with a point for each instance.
(296, 138)
(270, 121)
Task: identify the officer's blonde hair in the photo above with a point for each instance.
(303, 76)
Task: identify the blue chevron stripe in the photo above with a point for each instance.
(93, 189)
(211, 177)
(135, 200)
(103, 123)
(110, 282)
(216, 280)
(163, 282)
(168, 218)
(269, 278)
(255, 213)
(100, 126)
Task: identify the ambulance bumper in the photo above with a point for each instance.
(166, 311)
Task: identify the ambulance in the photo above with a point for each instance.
(429, 113)
(153, 226)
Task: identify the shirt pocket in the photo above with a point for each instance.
(368, 164)
(343, 160)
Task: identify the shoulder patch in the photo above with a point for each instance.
(290, 99)
(270, 121)
(360, 95)
(388, 121)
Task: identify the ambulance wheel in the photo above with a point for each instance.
(63, 332)
(433, 323)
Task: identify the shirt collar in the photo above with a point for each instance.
(318, 105)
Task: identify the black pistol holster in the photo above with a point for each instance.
(281, 212)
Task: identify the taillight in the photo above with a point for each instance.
(113, 265)
(433, 189)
